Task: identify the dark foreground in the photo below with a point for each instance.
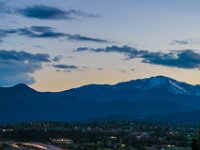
(119, 135)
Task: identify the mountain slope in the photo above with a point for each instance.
(144, 98)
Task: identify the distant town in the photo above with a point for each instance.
(112, 135)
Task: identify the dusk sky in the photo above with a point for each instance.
(54, 45)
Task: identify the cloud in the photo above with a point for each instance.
(78, 37)
(39, 32)
(47, 32)
(4, 33)
(64, 66)
(52, 13)
(39, 46)
(57, 58)
(99, 68)
(126, 50)
(18, 66)
(4, 8)
(123, 71)
(32, 32)
(186, 42)
(187, 59)
(183, 42)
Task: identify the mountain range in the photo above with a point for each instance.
(159, 98)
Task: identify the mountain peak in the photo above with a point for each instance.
(160, 82)
(147, 83)
(169, 84)
(17, 86)
(22, 87)
(161, 77)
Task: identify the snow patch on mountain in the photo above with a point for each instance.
(157, 82)
(160, 82)
(177, 89)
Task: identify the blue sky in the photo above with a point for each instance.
(56, 45)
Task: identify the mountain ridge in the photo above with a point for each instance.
(194, 89)
(22, 85)
(150, 98)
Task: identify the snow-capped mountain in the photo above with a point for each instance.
(148, 98)
(162, 82)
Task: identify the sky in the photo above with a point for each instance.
(54, 45)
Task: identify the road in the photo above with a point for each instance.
(27, 145)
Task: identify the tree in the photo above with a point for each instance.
(195, 144)
(196, 141)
